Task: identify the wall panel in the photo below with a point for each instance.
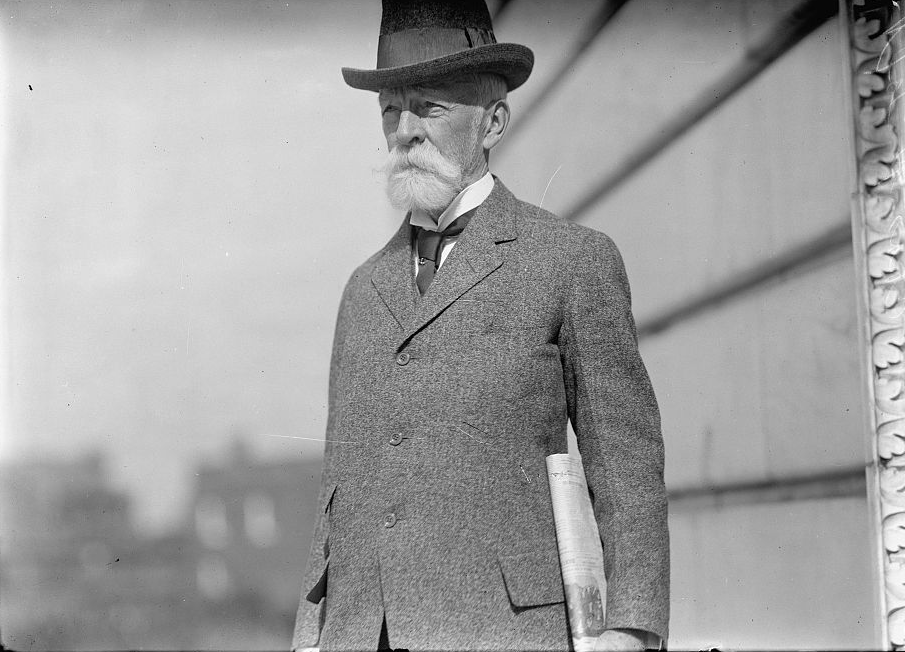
(651, 61)
(765, 173)
(793, 575)
(765, 386)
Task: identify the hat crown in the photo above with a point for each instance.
(422, 41)
(400, 15)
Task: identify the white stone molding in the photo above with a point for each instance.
(875, 32)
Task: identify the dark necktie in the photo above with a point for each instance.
(429, 244)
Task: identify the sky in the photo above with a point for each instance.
(189, 184)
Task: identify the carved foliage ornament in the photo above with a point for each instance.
(878, 60)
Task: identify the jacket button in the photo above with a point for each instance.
(396, 439)
(403, 359)
(389, 520)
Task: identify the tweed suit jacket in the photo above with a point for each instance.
(434, 504)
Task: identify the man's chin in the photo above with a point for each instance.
(419, 205)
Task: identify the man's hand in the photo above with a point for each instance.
(622, 639)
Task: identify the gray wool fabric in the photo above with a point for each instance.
(434, 505)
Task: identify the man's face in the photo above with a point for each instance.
(435, 139)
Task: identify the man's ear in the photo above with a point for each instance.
(498, 113)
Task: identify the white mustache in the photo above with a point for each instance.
(423, 157)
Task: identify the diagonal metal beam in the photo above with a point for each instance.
(790, 31)
(843, 483)
(592, 30)
(833, 243)
(500, 8)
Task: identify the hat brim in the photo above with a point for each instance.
(510, 60)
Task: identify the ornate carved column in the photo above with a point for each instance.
(875, 33)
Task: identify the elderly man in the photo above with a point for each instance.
(461, 350)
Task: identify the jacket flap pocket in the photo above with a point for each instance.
(326, 496)
(532, 578)
(319, 590)
(326, 499)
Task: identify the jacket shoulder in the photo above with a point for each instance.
(361, 274)
(549, 232)
(363, 271)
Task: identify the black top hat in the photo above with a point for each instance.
(426, 40)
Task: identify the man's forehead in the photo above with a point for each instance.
(452, 90)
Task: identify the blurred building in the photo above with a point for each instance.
(74, 575)
(252, 521)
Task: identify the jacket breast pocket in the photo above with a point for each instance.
(532, 578)
(522, 326)
(322, 533)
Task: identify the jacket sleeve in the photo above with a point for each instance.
(617, 424)
(311, 603)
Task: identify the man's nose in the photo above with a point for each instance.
(409, 131)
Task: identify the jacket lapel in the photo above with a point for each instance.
(393, 276)
(475, 255)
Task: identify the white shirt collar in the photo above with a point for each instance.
(471, 197)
